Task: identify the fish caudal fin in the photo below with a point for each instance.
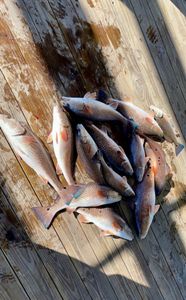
(47, 214)
(179, 148)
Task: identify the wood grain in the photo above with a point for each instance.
(21, 255)
(10, 287)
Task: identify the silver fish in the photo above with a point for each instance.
(114, 153)
(113, 179)
(87, 148)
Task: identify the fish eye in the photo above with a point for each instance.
(48, 208)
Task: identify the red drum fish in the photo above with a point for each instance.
(90, 195)
(169, 132)
(113, 179)
(114, 153)
(30, 148)
(145, 121)
(107, 220)
(138, 158)
(161, 169)
(87, 148)
(63, 143)
(145, 207)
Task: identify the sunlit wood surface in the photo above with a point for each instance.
(52, 48)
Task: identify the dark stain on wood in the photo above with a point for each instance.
(88, 48)
(152, 35)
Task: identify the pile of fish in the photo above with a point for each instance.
(119, 147)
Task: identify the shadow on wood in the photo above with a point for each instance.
(45, 274)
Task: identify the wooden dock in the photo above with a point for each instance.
(50, 48)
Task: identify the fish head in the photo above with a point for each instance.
(146, 220)
(82, 133)
(10, 126)
(74, 105)
(121, 229)
(127, 166)
(113, 196)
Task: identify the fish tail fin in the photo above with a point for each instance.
(179, 148)
(102, 96)
(46, 214)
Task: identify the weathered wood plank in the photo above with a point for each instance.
(166, 61)
(10, 287)
(20, 253)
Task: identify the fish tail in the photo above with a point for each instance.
(179, 148)
(46, 214)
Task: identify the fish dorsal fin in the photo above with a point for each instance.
(49, 139)
(67, 194)
(90, 95)
(83, 219)
(114, 104)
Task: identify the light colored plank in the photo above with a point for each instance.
(20, 253)
(10, 287)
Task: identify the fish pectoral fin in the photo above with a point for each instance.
(58, 170)
(49, 139)
(83, 219)
(156, 208)
(105, 233)
(90, 95)
(45, 181)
